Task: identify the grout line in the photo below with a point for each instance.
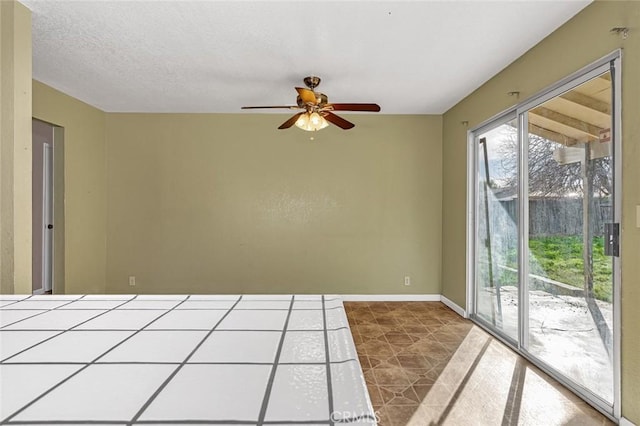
(295, 330)
(184, 422)
(227, 330)
(182, 364)
(55, 335)
(67, 422)
(43, 312)
(86, 366)
(95, 363)
(272, 375)
(231, 422)
(328, 364)
(196, 422)
(85, 298)
(234, 422)
(24, 296)
(296, 422)
(171, 363)
(4, 307)
(56, 308)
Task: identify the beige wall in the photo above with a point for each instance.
(15, 148)
(85, 186)
(226, 203)
(581, 41)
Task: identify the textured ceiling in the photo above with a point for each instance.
(212, 56)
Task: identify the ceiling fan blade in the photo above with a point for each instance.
(290, 121)
(262, 107)
(307, 96)
(338, 121)
(355, 107)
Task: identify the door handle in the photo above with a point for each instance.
(612, 239)
(49, 226)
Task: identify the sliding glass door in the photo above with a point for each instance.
(571, 198)
(544, 245)
(496, 291)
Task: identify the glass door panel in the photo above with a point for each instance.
(496, 292)
(570, 199)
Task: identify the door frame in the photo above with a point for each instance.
(520, 112)
(58, 208)
(47, 237)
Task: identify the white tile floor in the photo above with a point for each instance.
(177, 359)
(226, 392)
(100, 392)
(156, 346)
(306, 320)
(9, 317)
(254, 320)
(239, 346)
(13, 342)
(93, 304)
(85, 346)
(346, 397)
(22, 383)
(340, 345)
(303, 347)
(122, 320)
(308, 401)
(201, 319)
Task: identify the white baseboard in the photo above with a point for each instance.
(453, 306)
(389, 297)
(625, 422)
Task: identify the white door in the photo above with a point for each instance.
(47, 216)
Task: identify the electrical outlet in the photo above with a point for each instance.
(407, 280)
(132, 280)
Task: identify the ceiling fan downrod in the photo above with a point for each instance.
(312, 81)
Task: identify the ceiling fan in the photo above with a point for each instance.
(317, 111)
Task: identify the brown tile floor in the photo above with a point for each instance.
(425, 365)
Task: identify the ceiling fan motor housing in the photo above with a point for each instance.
(321, 101)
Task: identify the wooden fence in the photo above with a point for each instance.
(549, 216)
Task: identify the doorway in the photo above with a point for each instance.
(543, 247)
(48, 208)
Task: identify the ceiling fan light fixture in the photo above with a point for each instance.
(317, 112)
(311, 122)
